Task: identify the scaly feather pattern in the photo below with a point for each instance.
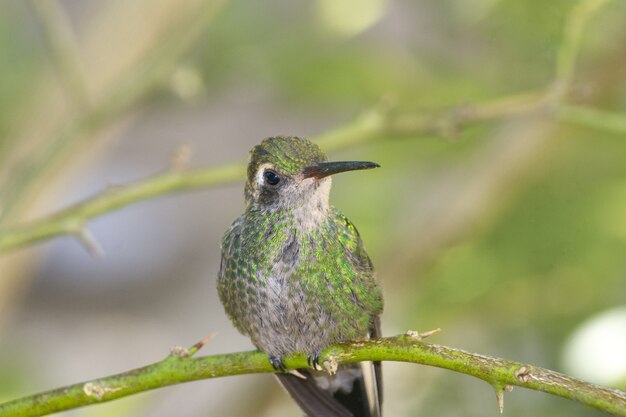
(295, 277)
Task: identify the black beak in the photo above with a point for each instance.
(324, 169)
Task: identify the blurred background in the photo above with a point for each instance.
(509, 234)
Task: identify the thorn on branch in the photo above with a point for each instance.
(195, 348)
(89, 242)
(296, 373)
(414, 334)
(183, 352)
(500, 397)
(500, 390)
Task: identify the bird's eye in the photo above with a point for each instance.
(271, 177)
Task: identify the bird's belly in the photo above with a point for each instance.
(290, 322)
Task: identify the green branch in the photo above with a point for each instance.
(575, 23)
(58, 36)
(72, 221)
(180, 367)
(374, 125)
(593, 118)
(123, 94)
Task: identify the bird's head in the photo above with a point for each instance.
(287, 171)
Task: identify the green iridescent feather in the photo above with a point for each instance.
(294, 274)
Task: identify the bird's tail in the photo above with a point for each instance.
(353, 392)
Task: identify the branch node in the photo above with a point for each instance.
(180, 352)
(89, 242)
(97, 391)
(416, 335)
(523, 374)
(195, 348)
(449, 128)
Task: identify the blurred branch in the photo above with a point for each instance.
(164, 58)
(594, 118)
(381, 122)
(179, 367)
(72, 221)
(123, 93)
(450, 122)
(467, 196)
(376, 124)
(58, 37)
(575, 23)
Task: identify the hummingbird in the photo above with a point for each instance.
(295, 277)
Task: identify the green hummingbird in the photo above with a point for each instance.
(295, 278)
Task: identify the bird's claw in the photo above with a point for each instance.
(314, 361)
(277, 364)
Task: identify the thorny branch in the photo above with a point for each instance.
(180, 367)
(378, 124)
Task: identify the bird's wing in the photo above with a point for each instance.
(363, 262)
(360, 391)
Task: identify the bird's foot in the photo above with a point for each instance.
(277, 364)
(314, 361)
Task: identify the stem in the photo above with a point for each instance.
(58, 36)
(72, 220)
(372, 125)
(178, 368)
(575, 23)
(593, 118)
(124, 93)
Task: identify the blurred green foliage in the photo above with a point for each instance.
(524, 276)
(20, 61)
